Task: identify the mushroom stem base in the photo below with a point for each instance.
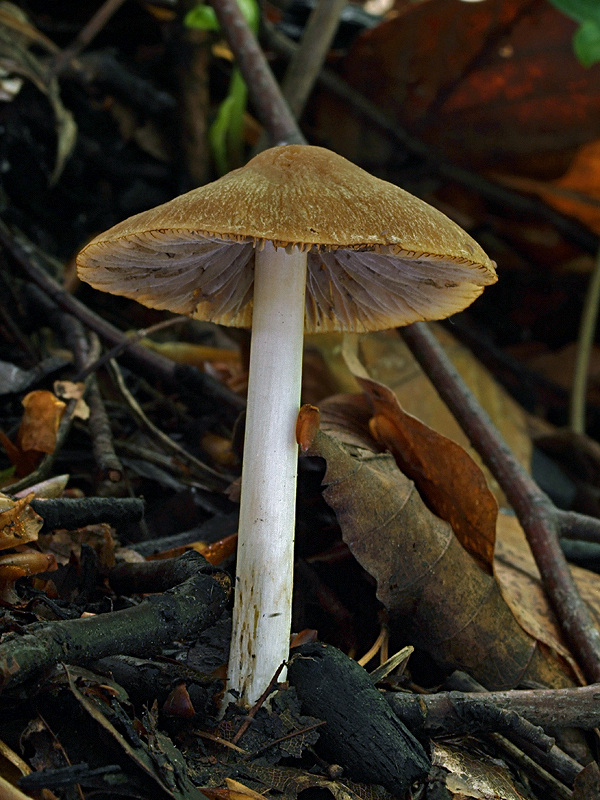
(263, 589)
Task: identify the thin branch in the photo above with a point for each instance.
(306, 63)
(203, 471)
(157, 367)
(270, 107)
(196, 600)
(89, 31)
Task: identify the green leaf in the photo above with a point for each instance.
(204, 18)
(579, 10)
(586, 42)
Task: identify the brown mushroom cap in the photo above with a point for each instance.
(378, 257)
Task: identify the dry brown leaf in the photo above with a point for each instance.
(434, 591)
(448, 480)
(193, 354)
(486, 84)
(476, 776)
(307, 425)
(19, 523)
(388, 360)
(40, 421)
(577, 192)
(237, 791)
(14, 566)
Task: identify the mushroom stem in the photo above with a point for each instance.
(263, 590)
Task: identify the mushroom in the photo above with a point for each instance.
(299, 239)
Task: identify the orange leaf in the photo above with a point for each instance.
(307, 426)
(19, 523)
(39, 425)
(448, 479)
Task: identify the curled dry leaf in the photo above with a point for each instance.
(477, 776)
(18, 565)
(388, 360)
(307, 425)
(67, 390)
(40, 421)
(19, 523)
(178, 703)
(435, 592)
(447, 478)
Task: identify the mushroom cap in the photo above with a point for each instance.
(378, 257)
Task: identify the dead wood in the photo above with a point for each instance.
(361, 734)
(71, 513)
(195, 603)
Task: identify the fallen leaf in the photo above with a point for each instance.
(388, 360)
(67, 390)
(40, 421)
(19, 523)
(576, 193)
(307, 425)
(14, 566)
(434, 591)
(237, 791)
(448, 479)
(477, 776)
(521, 586)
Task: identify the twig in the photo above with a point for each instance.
(306, 63)
(75, 338)
(205, 472)
(194, 604)
(259, 703)
(270, 107)
(157, 367)
(308, 58)
(536, 512)
(133, 338)
(107, 461)
(578, 526)
(71, 513)
(89, 31)
(533, 767)
(574, 707)
(587, 330)
(554, 763)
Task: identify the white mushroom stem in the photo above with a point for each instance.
(265, 559)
